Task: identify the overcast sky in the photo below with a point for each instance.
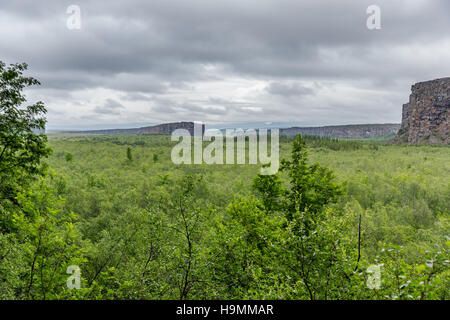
(310, 62)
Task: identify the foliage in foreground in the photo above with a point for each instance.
(141, 229)
(286, 240)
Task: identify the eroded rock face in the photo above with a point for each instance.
(166, 128)
(358, 131)
(425, 118)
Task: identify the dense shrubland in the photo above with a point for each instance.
(140, 227)
(148, 229)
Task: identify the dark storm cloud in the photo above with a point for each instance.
(145, 48)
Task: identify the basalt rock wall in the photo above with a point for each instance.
(346, 131)
(166, 128)
(425, 118)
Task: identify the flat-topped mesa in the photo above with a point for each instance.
(425, 118)
(166, 128)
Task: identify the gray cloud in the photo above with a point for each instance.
(265, 60)
(288, 89)
(109, 107)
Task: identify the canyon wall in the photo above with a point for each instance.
(166, 128)
(358, 131)
(425, 118)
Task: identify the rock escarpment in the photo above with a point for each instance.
(357, 131)
(425, 118)
(166, 128)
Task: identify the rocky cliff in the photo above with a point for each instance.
(425, 118)
(357, 131)
(166, 128)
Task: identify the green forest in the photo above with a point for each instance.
(140, 227)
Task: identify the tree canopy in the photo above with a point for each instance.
(22, 147)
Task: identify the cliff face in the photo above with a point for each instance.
(166, 128)
(425, 118)
(349, 131)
